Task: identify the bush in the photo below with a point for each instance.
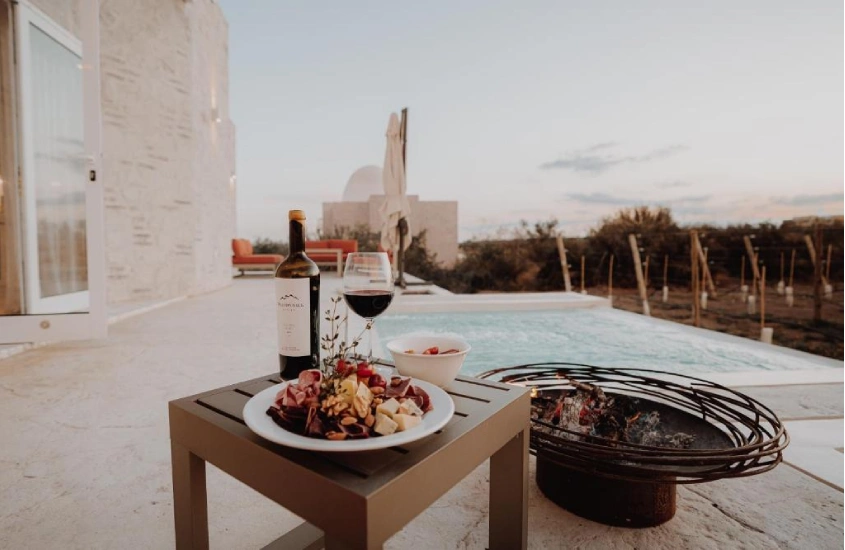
(527, 259)
(269, 246)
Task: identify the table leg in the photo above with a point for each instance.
(509, 494)
(190, 502)
(336, 544)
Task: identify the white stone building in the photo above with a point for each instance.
(165, 180)
(364, 195)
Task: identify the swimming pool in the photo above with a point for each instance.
(597, 336)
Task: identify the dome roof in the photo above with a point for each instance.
(362, 183)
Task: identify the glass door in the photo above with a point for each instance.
(53, 169)
(59, 193)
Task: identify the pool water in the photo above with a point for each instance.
(600, 336)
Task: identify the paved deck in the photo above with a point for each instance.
(86, 463)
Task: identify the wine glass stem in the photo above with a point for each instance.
(370, 336)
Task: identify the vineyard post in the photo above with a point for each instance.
(705, 273)
(564, 264)
(752, 300)
(610, 281)
(665, 278)
(828, 287)
(708, 279)
(638, 271)
(818, 276)
(696, 313)
(765, 333)
(815, 251)
(755, 270)
(781, 283)
(743, 288)
(790, 297)
(583, 288)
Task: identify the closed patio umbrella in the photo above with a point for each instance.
(395, 207)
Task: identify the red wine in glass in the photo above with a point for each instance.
(368, 303)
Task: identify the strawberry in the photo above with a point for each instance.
(365, 370)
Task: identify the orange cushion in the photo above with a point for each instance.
(257, 259)
(347, 245)
(316, 244)
(241, 247)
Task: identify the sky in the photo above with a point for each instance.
(723, 111)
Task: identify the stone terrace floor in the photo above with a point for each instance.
(86, 459)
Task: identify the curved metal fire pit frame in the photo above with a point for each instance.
(758, 436)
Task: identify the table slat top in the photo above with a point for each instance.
(476, 402)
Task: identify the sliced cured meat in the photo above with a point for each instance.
(425, 405)
(397, 387)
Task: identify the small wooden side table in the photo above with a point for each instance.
(354, 500)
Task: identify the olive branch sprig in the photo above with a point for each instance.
(335, 348)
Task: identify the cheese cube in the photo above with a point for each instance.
(384, 425)
(408, 406)
(406, 421)
(348, 388)
(389, 407)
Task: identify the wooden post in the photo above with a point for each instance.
(791, 268)
(755, 284)
(696, 291)
(763, 299)
(755, 269)
(815, 252)
(583, 289)
(564, 264)
(702, 262)
(666, 270)
(610, 280)
(638, 271)
(827, 265)
(817, 274)
(781, 266)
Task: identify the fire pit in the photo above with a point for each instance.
(612, 444)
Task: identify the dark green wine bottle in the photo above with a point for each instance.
(298, 305)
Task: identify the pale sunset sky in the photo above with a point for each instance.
(723, 111)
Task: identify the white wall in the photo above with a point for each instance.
(167, 162)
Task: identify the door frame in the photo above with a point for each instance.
(35, 326)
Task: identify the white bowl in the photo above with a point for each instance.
(441, 369)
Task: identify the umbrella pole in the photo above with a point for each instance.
(400, 256)
(403, 223)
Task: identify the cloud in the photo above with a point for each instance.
(612, 200)
(600, 146)
(602, 198)
(589, 161)
(809, 200)
(672, 184)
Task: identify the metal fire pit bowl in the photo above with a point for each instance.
(633, 485)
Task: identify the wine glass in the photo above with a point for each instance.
(368, 286)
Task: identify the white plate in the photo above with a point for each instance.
(255, 416)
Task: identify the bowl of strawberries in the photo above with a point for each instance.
(434, 358)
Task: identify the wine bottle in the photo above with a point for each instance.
(298, 305)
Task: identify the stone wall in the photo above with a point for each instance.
(439, 220)
(168, 145)
(214, 147)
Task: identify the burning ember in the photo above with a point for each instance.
(588, 411)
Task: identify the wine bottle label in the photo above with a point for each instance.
(293, 311)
